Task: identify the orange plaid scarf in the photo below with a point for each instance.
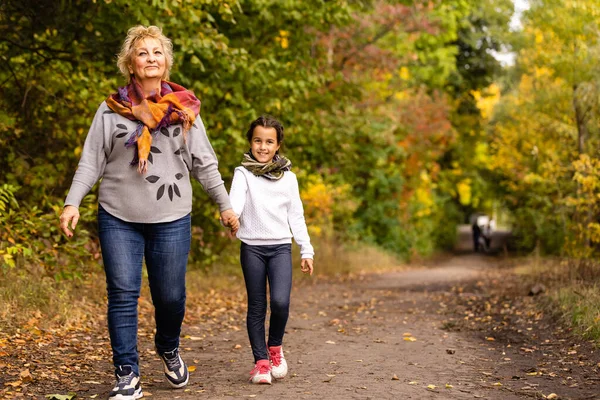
(173, 105)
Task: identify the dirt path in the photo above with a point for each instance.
(386, 336)
(352, 340)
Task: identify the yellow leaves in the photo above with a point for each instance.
(487, 100)
(424, 198)
(408, 337)
(282, 39)
(463, 189)
(193, 337)
(191, 368)
(539, 37)
(321, 200)
(404, 74)
(69, 396)
(400, 95)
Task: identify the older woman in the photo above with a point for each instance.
(144, 142)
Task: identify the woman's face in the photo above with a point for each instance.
(148, 60)
(264, 144)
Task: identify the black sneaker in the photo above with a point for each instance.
(175, 369)
(128, 385)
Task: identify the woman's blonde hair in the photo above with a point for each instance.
(134, 35)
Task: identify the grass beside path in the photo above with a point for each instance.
(571, 291)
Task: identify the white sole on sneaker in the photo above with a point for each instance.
(138, 394)
(261, 381)
(180, 385)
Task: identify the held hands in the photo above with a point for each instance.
(230, 220)
(70, 214)
(306, 266)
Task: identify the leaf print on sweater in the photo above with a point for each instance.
(172, 189)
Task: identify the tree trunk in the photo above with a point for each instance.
(580, 117)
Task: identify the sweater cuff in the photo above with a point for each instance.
(76, 194)
(220, 196)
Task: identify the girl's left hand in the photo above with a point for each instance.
(306, 265)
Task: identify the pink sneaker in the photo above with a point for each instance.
(261, 372)
(279, 368)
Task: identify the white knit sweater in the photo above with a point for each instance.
(268, 210)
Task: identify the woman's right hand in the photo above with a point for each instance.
(70, 214)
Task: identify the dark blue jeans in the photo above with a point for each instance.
(165, 248)
(259, 264)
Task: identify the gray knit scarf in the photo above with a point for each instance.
(272, 170)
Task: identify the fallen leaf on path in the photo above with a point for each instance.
(431, 387)
(449, 386)
(237, 346)
(330, 342)
(26, 376)
(395, 378)
(191, 368)
(491, 339)
(69, 396)
(497, 384)
(527, 350)
(407, 334)
(413, 383)
(410, 339)
(13, 384)
(552, 396)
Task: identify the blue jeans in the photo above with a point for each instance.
(259, 264)
(165, 248)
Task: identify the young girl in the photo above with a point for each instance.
(265, 196)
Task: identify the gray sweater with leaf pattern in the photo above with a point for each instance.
(164, 193)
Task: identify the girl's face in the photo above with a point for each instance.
(264, 144)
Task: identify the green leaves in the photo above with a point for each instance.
(69, 396)
(365, 89)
